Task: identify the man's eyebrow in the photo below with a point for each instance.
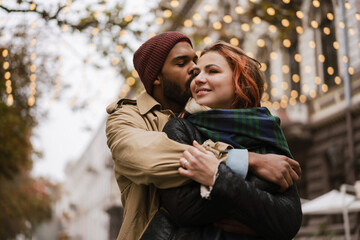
(178, 58)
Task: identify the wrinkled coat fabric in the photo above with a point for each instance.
(254, 202)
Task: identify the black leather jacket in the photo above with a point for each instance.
(254, 202)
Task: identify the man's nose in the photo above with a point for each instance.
(193, 68)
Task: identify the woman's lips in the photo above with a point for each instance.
(202, 91)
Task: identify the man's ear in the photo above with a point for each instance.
(157, 81)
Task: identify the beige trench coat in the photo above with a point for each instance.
(144, 159)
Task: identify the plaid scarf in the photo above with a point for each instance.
(255, 129)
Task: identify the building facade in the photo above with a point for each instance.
(90, 206)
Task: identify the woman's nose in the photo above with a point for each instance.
(200, 78)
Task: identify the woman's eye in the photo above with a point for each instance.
(213, 71)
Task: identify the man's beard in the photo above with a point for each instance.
(175, 93)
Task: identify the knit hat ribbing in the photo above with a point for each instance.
(150, 57)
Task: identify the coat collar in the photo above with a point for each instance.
(146, 102)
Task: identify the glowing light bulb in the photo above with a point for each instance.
(260, 42)
(285, 22)
(324, 88)
(256, 20)
(130, 81)
(272, 28)
(314, 24)
(299, 30)
(299, 14)
(316, 3)
(217, 25)
(159, 20)
(234, 41)
(326, 30)
(167, 13)
(297, 57)
(287, 43)
(174, 3)
(227, 19)
(239, 10)
(285, 69)
(294, 94)
(188, 23)
(208, 8)
(197, 17)
(302, 98)
(263, 67)
(330, 16)
(207, 40)
(273, 55)
(271, 11)
(245, 27)
(295, 78)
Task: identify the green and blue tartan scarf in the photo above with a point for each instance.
(255, 129)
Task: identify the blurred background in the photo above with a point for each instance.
(63, 61)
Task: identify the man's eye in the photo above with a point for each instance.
(180, 64)
(195, 72)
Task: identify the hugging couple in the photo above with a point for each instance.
(196, 156)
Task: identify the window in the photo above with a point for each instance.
(328, 44)
(116, 218)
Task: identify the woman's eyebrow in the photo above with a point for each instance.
(211, 65)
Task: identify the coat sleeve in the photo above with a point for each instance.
(253, 202)
(272, 215)
(143, 156)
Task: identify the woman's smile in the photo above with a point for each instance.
(202, 91)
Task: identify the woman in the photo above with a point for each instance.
(226, 107)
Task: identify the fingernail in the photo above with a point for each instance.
(195, 142)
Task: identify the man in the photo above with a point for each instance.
(144, 158)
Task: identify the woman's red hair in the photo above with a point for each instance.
(247, 76)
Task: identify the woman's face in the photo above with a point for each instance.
(213, 86)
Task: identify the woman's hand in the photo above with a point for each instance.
(199, 165)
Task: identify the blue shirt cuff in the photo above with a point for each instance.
(238, 161)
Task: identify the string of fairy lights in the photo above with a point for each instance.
(6, 68)
(32, 84)
(273, 97)
(7, 77)
(306, 90)
(131, 80)
(58, 80)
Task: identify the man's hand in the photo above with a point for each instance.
(278, 169)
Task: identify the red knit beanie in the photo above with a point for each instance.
(150, 57)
